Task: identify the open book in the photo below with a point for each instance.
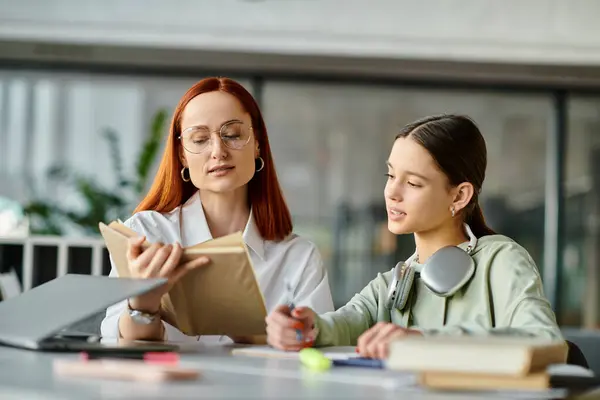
(222, 298)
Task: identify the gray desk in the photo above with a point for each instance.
(28, 375)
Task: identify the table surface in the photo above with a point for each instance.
(28, 374)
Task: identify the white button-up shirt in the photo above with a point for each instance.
(294, 260)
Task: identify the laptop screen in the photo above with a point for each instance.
(44, 310)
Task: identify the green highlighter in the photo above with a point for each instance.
(315, 360)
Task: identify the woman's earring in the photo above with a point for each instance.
(262, 164)
(183, 175)
(452, 211)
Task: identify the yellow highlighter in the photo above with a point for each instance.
(314, 360)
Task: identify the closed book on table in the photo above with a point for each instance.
(463, 381)
(492, 355)
(558, 376)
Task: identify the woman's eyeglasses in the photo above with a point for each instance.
(234, 135)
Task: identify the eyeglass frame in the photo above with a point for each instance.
(230, 122)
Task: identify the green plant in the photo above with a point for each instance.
(100, 203)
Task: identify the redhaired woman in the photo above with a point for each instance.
(216, 177)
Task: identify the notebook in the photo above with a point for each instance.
(222, 298)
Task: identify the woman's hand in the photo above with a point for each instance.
(291, 331)
(374, 343)
(157, 261)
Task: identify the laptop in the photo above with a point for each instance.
(34, 319)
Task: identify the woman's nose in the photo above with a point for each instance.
(218, 149)
(393, 192)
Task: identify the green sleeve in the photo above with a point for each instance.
(517, 295)
(343, 326)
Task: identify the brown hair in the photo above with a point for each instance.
(458, 147)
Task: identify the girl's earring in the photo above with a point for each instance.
(452, 211)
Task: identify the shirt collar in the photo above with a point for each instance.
(253, 238)
(199, 232)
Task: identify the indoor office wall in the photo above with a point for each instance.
(331, 143)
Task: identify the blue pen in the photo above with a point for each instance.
(360, 362)
(291, 306)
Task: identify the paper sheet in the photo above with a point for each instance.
(333, 353)
(569, 370)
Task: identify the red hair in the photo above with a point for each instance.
(169, 191)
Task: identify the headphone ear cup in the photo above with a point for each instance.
(399, 291)
(447, 271)
(393, 287)
(404, 289)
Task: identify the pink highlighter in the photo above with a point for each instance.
(159, 357)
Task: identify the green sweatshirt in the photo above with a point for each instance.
(504, 296)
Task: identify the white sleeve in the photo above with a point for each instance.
(109, 328)
(312, 289)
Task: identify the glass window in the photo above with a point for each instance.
(330, 145)
(580, 286)
(49, 119)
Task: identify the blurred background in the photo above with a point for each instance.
(87, 90)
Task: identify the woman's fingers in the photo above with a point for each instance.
(379, 346)
(285, 341)
(371, 349)
(134, 247)
(196, 263)
(307, 316)
(142, 261)
(365, 339)
(160, 260)
(304, 314)
(153, 268)
(280, 317)
(285, 336)
(383, 347)
(172, 261)
(282, 329)
(373, 343)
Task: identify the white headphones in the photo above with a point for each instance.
(444, 273)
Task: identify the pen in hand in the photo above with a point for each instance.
(291, 306)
